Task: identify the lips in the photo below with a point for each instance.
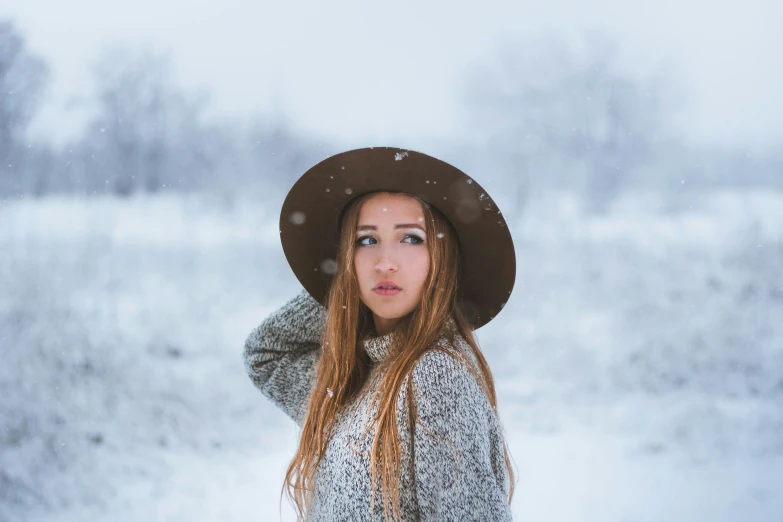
(387, 284)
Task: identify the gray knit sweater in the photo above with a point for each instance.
(281, 356)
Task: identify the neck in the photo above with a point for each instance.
(384, 326)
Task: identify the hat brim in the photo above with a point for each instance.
(309, 220)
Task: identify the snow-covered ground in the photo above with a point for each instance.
(639, 361)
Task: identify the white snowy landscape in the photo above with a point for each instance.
(636, 153)
(639, 361)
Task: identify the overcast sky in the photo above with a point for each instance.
(364, 71)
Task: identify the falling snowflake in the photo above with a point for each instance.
(330, 392)
(329, 266)
(297, 218)
(399, 155)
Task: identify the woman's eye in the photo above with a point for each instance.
(417, 240)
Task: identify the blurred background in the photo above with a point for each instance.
(636, 150)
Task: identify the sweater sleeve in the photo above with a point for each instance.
(459, 462)
(281, 354)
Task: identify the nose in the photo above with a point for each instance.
(385, 264)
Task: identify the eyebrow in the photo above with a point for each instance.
(403, 225)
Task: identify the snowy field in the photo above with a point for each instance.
(639, 361)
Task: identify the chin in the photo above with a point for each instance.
(387, 310)
(395, 312)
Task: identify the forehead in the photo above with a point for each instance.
(384, 207)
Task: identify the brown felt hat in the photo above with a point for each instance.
(309, 220)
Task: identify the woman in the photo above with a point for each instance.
(401, 257)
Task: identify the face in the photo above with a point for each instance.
(391, 245)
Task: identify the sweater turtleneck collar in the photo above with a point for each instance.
(378, 347)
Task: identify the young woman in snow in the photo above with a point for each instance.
(394, 398)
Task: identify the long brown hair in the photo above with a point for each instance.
(345, 366)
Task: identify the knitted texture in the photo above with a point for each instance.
(458, 471)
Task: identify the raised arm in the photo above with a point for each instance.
(282, 352)
(460, 472)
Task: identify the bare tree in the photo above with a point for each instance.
(23, 79)
(559, 117)
(147, 134)
(283, 154)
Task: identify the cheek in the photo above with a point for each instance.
(364, 264)
(358, 263)
(422, 266)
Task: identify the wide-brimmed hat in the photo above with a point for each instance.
(309, 220)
